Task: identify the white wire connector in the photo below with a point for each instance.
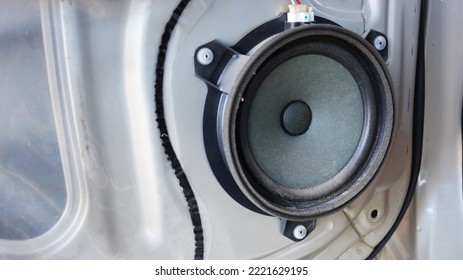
(300, 13)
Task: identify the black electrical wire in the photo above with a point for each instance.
(418, 125)
(168, 149)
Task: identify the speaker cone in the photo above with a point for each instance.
(309, 121)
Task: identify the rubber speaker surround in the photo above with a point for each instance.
(375, 86)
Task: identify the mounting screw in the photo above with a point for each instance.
(300, 232)
(297, 230)
(380, 43)
(205, 56)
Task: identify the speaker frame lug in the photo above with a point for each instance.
(225, 58)
(288, 228)
(371, 36)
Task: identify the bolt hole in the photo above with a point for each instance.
(374, 214)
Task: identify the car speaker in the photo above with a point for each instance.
(307, 121)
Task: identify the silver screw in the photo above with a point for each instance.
(380, 43)
(205, 56)
(300, 232)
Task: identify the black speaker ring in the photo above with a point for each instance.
(301, 209)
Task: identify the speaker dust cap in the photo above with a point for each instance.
(309, 121)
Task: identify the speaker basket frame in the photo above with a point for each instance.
(320, 200)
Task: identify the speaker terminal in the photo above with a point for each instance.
(299, 13)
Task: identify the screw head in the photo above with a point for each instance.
(300, 232)
(380, 43)
(205, 56)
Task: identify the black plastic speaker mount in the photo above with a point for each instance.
(234, 79)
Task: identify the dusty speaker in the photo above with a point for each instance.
(307, 122)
